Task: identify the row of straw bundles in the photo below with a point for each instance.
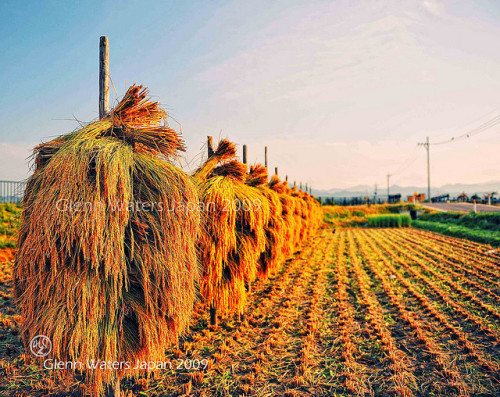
(288, 204)
(251, 227)
(293, 214)
(275, 230)
(111, 281)
(117, 282)
(301, 211)
(234, 235)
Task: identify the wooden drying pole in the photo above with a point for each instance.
(276, 171)
(265, 157)
(213, 309)
(103, 77)
(210, 146)
(248, 285)
(115, 390)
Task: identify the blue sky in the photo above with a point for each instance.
(340, 91)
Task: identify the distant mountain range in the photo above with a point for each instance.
(451, 189)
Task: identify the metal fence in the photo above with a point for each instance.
(353, 200)
(11, 191)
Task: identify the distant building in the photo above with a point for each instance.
(394, 198)
(419, 197)
(440, 199)
(463, 197)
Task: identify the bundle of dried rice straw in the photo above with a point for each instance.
(233, 237)
(107, 264)
(276, 229)
(288, 213)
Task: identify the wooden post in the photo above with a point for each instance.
(103, 77)
(114, 390)
(294, 184)
(244, 154)
(265, 157)
(212, 310)
(286, 178)
(213, 316)
(300, 185)
(276, 171)
(210, 146)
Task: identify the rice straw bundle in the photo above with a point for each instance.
(274, 255)
(315, 215)
(288, 210)
(107, 264)
(301, 215)
(221, 285)
(310, 214)
(233, 237)
(254, 213)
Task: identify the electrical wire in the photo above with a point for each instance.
(483, 127)
(414, 154)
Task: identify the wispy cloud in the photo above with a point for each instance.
(349, 90)
(340, 91)
(434, 7)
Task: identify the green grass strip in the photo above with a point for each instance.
(389, 220)
(478, 235)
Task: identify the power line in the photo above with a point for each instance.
(416, 151)
(405, 165)
(483, 127)
(413, 156)
(409, 161)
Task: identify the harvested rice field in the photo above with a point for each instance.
(370, 312)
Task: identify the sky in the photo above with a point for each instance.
(340, 92)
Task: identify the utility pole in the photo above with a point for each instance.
(426, 144)
(388, 176)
